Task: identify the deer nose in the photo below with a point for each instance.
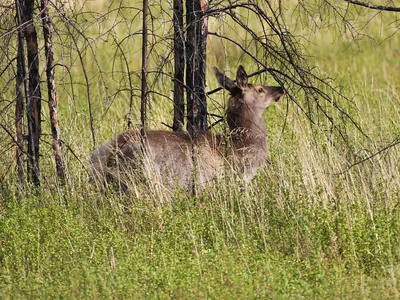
(278, 93)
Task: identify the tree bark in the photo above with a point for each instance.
(55, 129)
(19, 107)
(179, 66)
(34, 94)
(195, 65)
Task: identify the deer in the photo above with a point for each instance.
(178, 160)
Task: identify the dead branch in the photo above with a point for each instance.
(372, 6)
(143, 100)
(393, 144)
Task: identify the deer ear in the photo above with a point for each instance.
(224, 80)
(241, 77)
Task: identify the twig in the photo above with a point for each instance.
(393, 144)
(373, 6)
(169, 126)
(143, 102)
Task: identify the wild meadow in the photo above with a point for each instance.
(321, 221)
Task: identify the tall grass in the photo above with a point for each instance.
(312, 224)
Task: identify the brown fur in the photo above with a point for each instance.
(173, 158)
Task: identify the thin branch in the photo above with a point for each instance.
(373, 6)
(165, 124)
(143, 102)
(391, 145)
(76, 156)
(8, 65)
(12, 137)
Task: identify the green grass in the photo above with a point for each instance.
(306, 227)
(246, 246)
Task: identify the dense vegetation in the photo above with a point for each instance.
(310, 225)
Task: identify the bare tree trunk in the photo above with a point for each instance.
(195, 73)
(143, 106)
(34, 95)
(19, 107)
(55, 129)
(179, 66)
(195, 65)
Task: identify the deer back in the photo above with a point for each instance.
(166, 157)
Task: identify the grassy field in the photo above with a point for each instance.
(309, 226)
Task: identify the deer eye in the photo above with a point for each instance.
(261, 90)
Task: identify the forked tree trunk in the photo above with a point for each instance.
(55, 129)
(195, 65)
(179, 66)
(19, 107)
(34, 95)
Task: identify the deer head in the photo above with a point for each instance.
(248, 101)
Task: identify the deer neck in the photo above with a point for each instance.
(248, 130)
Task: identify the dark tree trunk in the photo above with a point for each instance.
(55, 129)
(179, 65)
(19, 107)
(34, 95)
(195, 65)
(143, 106)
